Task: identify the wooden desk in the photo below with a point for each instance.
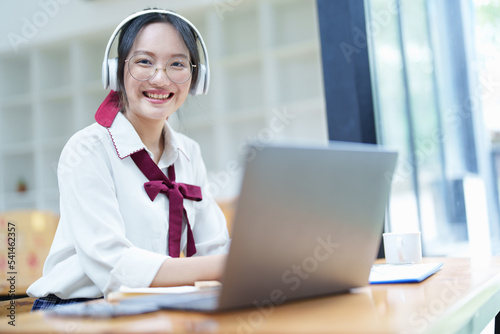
(463, 297)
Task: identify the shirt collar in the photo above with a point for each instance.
(126, 140)
(173, 146)
(124, 137)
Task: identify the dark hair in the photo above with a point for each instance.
(129, 32)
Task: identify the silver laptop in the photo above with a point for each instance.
(308, 223)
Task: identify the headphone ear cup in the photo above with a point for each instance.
(105, 74)
(113, 74)
(199, 87)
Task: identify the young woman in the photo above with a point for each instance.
(132, 189)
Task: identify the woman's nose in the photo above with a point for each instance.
(160, 77)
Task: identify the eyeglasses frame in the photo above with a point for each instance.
(164, 69)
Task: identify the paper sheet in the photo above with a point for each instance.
(402, 273)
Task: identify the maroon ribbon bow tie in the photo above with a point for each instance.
(176, 192)
(153, 188)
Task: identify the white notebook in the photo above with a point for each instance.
(402, 273)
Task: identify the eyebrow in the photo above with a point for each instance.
(152, 54)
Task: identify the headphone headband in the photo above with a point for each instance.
(203, 79)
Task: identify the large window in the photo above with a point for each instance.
(429, 95)
(487, 44)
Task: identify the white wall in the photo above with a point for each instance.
(43, 21)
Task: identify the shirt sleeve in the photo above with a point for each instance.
(210, 231)
(90, 211)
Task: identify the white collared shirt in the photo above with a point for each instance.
(110, 232)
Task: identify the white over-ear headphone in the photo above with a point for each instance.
(110, 66)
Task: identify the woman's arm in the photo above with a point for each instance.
(187, 270)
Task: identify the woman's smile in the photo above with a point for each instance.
(158, 96)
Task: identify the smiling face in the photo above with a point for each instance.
(155, 99)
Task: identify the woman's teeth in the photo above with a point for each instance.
(158, 96)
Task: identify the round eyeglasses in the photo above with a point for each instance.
(143, 67)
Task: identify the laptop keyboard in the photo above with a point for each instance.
(203, 300)
(194, 301)
(202, 303)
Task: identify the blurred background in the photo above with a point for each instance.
(435, 86)
(264, 59)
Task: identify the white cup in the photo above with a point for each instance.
(402, 247)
